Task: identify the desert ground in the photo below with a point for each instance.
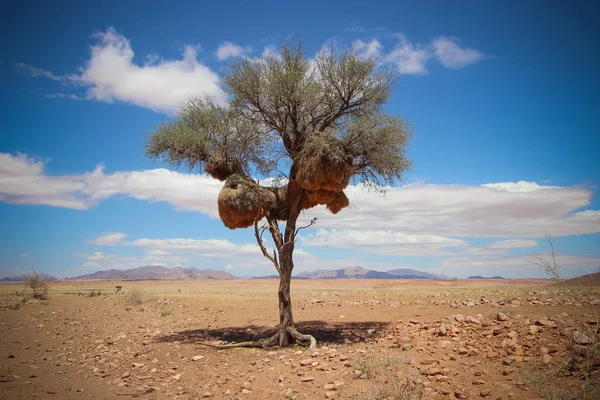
(464, 339)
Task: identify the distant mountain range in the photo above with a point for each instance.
(361, 273)
(485, 277)
(20, 278)
(156, 272)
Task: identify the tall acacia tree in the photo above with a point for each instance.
(321, 121)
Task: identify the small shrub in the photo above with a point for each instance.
(365, 364)
(14, 306)
(165, 312)
(135, 297)
(118, 287)
(398, 389)
(37, 284)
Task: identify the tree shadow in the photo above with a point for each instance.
(324, 332)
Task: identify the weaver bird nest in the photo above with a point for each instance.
(242, 201)
(221, 167)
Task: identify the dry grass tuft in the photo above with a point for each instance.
(388, 377)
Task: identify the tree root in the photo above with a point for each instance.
(267, 342)
(261, 344)
(303, 338)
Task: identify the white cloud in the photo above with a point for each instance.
(110, 239)
(418, 209)
(371, 49)
(207, 247)
(519, 266)
(229, 50)
(38, 72)
(269, 51)
(96, 256)
(411, 58)
(408, 58)
(203, 253)
(451, 55)
(382, 242)
(24, 255)
(160, 85)
(466, 211)
(512, 244)
(518, 187)
(23, 181)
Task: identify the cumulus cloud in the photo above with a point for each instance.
(515, 266)
(110, 239)
(452, 56)
(411, 58)
(451, 211)
(370, 49)
(466, 211)
(110, 74)
(408, 58)
(512, 244)
(229, 50)
(382, 242)
(160, 85)
(204, 253)
(23, 181)
(38, 72)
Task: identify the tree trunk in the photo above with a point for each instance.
(286, 319)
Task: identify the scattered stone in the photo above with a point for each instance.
(406, 347)
(546, 358)
(306, 362)
(580, 338)
(440, 331)
(308, 379)
(501, 316)
(533, 329)
(197, 358)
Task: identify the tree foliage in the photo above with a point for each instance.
(319, 122)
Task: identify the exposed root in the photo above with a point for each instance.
(303, 338)
(261, 344)
(267, 342)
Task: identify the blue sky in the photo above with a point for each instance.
(504, 98)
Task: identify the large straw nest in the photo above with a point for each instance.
(281, 209)
(339, 201)
(221, 167)
(334, 201)
(323, 163)
(242, 202)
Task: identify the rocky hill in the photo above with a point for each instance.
(157, 272)
(361, 273)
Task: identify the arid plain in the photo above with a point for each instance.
(377, 339)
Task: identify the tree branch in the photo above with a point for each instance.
(258, 236)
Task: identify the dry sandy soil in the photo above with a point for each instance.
(376, 340)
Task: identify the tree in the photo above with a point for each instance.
(321, 121)
(37, 284)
